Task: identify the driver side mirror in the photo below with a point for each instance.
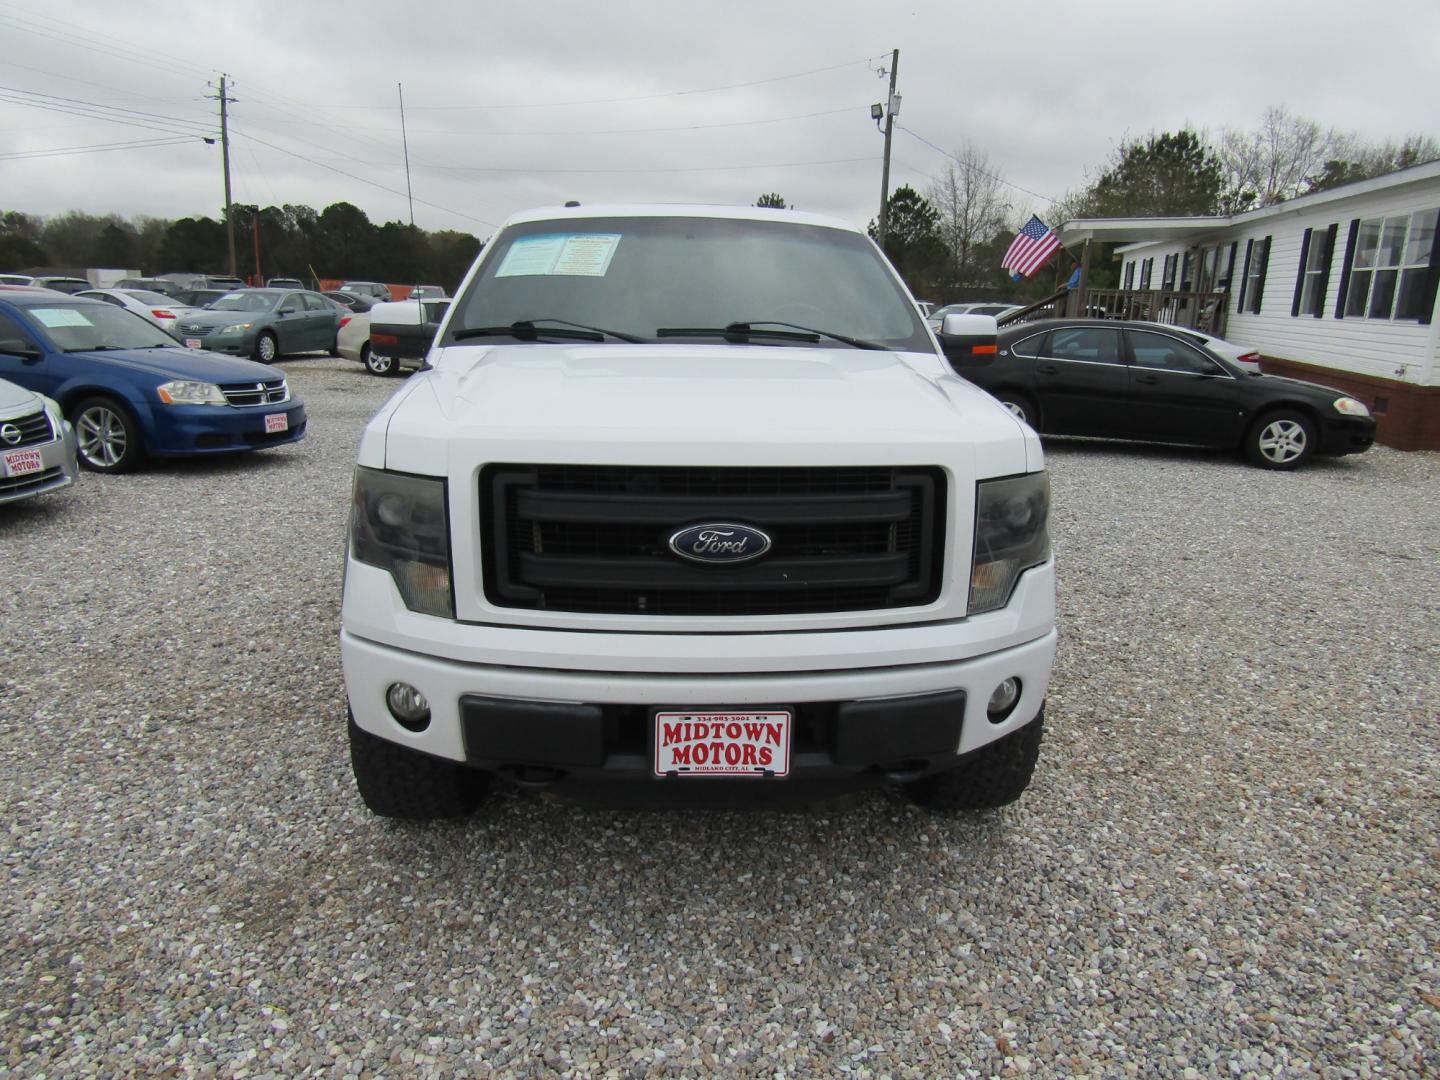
(288, 310)
(21, 348)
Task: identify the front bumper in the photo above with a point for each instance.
(1348, 435)
(869, 704)
(58, 469)
(222, 429)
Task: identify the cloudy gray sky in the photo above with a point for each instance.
(520, 104)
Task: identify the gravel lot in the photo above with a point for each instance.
(1228, 864)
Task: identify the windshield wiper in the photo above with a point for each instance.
(744, 331)
(527, 329)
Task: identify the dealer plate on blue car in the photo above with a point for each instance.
(722, 743)
(276, 422)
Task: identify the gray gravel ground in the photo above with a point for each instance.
(1227, 865)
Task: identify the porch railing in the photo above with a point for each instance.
(1204, 311)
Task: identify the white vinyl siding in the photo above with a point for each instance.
(1387, 348)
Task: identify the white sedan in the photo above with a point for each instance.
(154, 307)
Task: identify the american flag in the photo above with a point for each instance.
(1031, 249)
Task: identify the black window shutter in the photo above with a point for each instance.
(1263, 257)
(1245, 275)
(1345, 268)
(1329, 242)
(1300, 276)
(1230, 267)
(1432, 278)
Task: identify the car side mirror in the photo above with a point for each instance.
(969, 335)
(21, 348)
(289, 311)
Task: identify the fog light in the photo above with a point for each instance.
(1003, 700)
(408, 706)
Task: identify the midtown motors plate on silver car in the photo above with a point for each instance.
(722, 743)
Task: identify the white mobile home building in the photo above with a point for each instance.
(1336, 287)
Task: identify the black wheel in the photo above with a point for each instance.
(1283, 439)
(266, 348)
(992, 776)
(400, 783)
(377, 364)
(106, 437)
(1019, 405)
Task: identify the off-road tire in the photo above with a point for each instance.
(399, 783)
(992, 776)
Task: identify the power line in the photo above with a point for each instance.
(982, 172)
(617, 100)
(164, 62)
(102, 110)
(62, 151)
(361, 179)
(94, 116)
(650, 169)
(471, 133)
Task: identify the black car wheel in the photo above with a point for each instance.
(1280, 440)
(107, 439)
(377, 364)
(1019, 405)
(266, 350)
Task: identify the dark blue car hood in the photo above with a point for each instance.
(183, 363)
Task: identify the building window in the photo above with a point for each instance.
(1313, 278)
(1187, 271)
(1129, 275)
(1252, 286)
(1390, 275)
(1167, 281)
(1147, 268)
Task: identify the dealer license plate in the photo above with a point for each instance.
(722, 743)
(276, 422)
(193, 343)
(22, 462)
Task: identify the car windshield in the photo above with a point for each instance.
(81, 327)
(244, 301)
(147, 297)
(649, 277)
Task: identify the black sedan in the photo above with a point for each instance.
(1129, 380)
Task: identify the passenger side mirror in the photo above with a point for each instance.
(288, 310)
(965, 336)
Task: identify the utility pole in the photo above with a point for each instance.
(225, 157)
(892, 106)
(405, 142)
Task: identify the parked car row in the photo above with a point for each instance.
(86, 382)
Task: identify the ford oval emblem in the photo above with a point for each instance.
(720, 542)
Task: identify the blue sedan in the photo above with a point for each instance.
(131, 391)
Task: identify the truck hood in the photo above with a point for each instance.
(692, 404)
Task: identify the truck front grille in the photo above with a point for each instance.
(595, 538)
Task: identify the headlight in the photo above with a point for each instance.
(184, 392)
(1011, 535)
(399, 523)
(234, 328)
(1350, 407)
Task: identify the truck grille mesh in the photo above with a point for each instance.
(595, 538)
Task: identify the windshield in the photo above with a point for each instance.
(77, 327)
(244, 301)
(640, 275)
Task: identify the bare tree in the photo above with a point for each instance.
(972, 208)
(1279, 160)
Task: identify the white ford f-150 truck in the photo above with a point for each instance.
(687, 506)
